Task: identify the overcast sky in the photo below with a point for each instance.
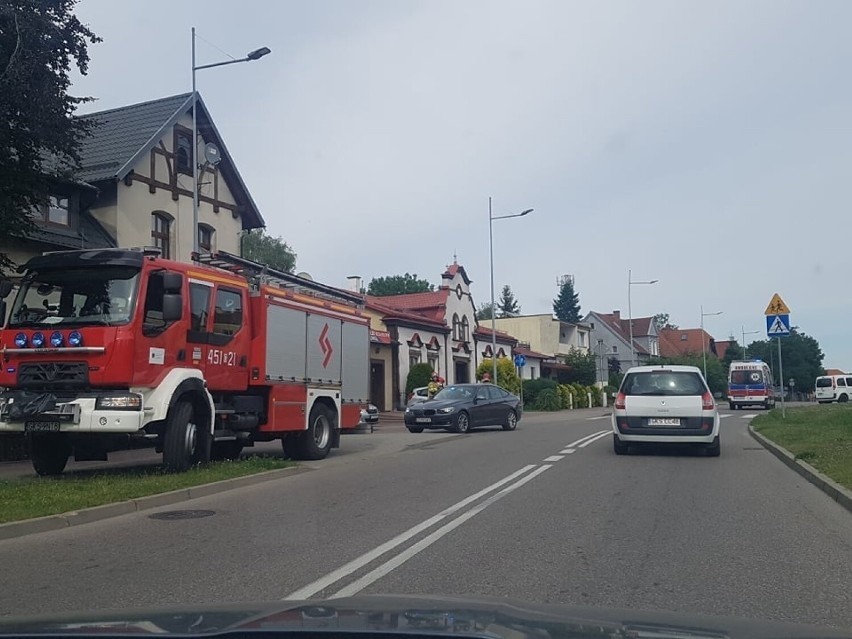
(704, 144)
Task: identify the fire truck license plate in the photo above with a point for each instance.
(33, 426)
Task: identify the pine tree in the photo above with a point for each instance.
(507, 305)
(566, 306)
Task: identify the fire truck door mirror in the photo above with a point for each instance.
(172, 307)
(5, 288)
(172, 282)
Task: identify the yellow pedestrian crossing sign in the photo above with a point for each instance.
(777, 306)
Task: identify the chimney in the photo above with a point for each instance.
(617, 315)
(354, 283)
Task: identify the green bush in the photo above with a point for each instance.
(596, 396)
(581, 396)
(565, 395)
(507, 375)
(418, 376)
(548, 399)
(532, 387)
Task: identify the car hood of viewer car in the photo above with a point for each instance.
(437, 615)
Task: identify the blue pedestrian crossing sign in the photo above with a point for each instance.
(778, 325)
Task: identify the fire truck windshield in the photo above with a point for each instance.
(79, 297)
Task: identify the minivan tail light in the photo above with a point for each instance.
(619, 401)
(707, 402)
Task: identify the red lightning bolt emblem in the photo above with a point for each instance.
(325, 345)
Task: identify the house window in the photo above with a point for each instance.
(183, 151)
(683, 337)
(592, 325)
(413, 358)
(615, 349)
(465, 329)
(532, 372)
(456, 327)
(205, 237)
(161, 233)
(433, 362)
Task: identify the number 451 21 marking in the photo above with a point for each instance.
(220, 357)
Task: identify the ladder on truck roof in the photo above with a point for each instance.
(259, 274)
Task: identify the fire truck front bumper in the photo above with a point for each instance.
(26, 412)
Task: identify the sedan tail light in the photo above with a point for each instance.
(707, 401)
(619, 401)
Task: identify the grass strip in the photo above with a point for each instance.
(40, 496)
(818, 435)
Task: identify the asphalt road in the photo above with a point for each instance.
(489, 513)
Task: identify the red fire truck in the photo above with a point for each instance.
(106, 349)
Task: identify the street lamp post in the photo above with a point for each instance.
(257, 54)
(491, 219)
(744, 334)
(601, 362)
(630, 283)
(703, 341)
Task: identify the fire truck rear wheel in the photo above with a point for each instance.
(315, 442)
(184, 443)
(49, 453)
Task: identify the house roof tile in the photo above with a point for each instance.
(675, 342)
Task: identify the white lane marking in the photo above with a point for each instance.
(591, 419)
(356, 564)
(593, 439)
(749, 416)
(553, 458)
(395, 562)
(721, 416)
(567, 451)
(582, 439)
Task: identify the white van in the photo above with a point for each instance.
(833, 388)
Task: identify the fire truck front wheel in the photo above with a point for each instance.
(315, 442)
(184, 443)
(49, 453)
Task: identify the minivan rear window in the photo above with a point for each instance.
(823, 382)
(663, 383)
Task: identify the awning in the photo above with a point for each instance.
(380, 337)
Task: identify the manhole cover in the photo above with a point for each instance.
(171, 515)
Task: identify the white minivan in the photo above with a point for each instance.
(665, 405)
(833, 388)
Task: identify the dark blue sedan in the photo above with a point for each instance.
(461, 407)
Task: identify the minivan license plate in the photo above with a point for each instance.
(41, 427)
(664, 421)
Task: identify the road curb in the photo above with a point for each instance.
(107, 511)
(825, 483)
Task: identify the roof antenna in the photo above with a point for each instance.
(455, 258)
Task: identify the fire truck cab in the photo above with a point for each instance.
(108, 349)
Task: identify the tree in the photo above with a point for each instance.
(582, 368)
(717, 376)
(507, 305)
(661, 321)
(398, 285)
(485, 311)
(39, 135)
(566, 306)
(734, 353)
(801, 358)
(260, 247)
